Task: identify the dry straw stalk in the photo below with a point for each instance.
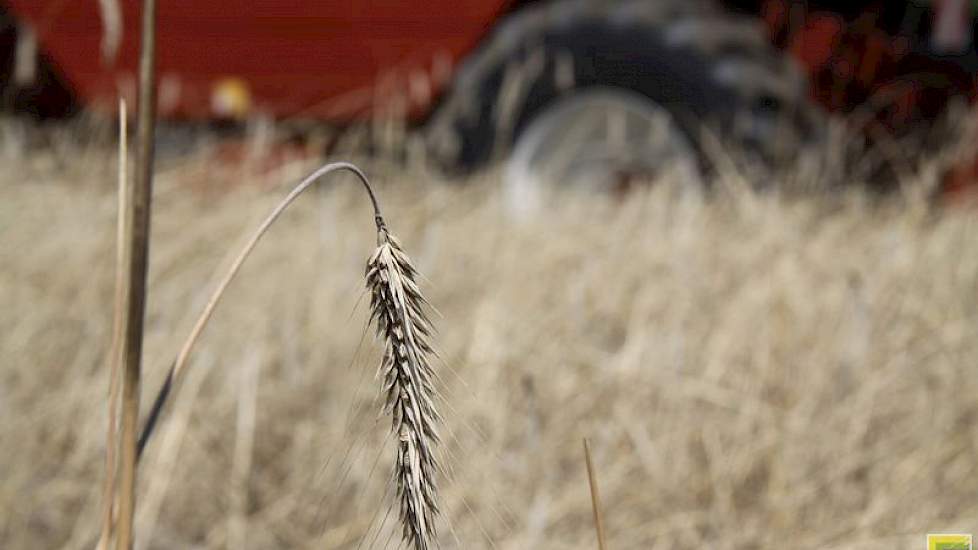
(139, 202)
(592, 479)
(115, 348)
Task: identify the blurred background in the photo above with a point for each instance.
(732, 242)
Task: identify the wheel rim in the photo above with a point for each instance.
(598, 140)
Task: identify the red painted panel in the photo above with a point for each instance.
(332, 59)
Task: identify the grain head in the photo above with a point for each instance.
(399, 311)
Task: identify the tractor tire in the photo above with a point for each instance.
(713, 71)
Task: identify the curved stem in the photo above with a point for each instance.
(180, 363)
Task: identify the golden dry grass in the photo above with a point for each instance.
(753, 371)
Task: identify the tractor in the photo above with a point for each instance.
(574, 90)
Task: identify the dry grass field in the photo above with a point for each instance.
(754, 371)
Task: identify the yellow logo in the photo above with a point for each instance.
(230, 97)
(948, 542)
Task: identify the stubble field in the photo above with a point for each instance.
(753, 370)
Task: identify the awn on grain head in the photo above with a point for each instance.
(399, 310)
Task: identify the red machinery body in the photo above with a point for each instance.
(900, 61)
(341, 60)
(335, 59)
(892, 66)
